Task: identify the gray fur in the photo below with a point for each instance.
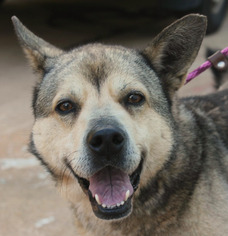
(179, 146)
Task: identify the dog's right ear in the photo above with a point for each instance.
(36, 49)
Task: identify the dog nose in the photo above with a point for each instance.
(106, 141)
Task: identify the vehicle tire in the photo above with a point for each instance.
(215, 10)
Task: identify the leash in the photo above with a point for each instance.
(217, 60)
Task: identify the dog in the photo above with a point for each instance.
(129, 155)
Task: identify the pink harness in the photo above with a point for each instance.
(218, 60)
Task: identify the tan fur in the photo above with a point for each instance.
(182, 189)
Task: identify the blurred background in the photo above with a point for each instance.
(29, 203)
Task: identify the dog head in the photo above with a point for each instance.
(103, 113)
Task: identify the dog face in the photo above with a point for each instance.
(103, 113)
(101, 121)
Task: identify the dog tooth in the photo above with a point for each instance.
(104, 206)
(97, 199)
(127, 195)
(113, 206)
(118, 204)
(122, 203)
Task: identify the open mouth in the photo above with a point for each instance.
(110, 191)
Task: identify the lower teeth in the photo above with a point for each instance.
(114, 206)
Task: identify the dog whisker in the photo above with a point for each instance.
(94, 103)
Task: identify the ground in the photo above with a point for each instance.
(29, 202)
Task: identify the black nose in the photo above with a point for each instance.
(106, 141)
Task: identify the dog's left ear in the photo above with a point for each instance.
(173, 51)
(36, 49)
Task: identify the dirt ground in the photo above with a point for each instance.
(29, 203)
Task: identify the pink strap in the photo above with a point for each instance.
(203, 67)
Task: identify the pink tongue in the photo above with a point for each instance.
(111, 185)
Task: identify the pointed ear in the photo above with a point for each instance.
(36, 49)
(173, 51)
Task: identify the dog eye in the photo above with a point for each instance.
(135, 98)
(65, 107)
